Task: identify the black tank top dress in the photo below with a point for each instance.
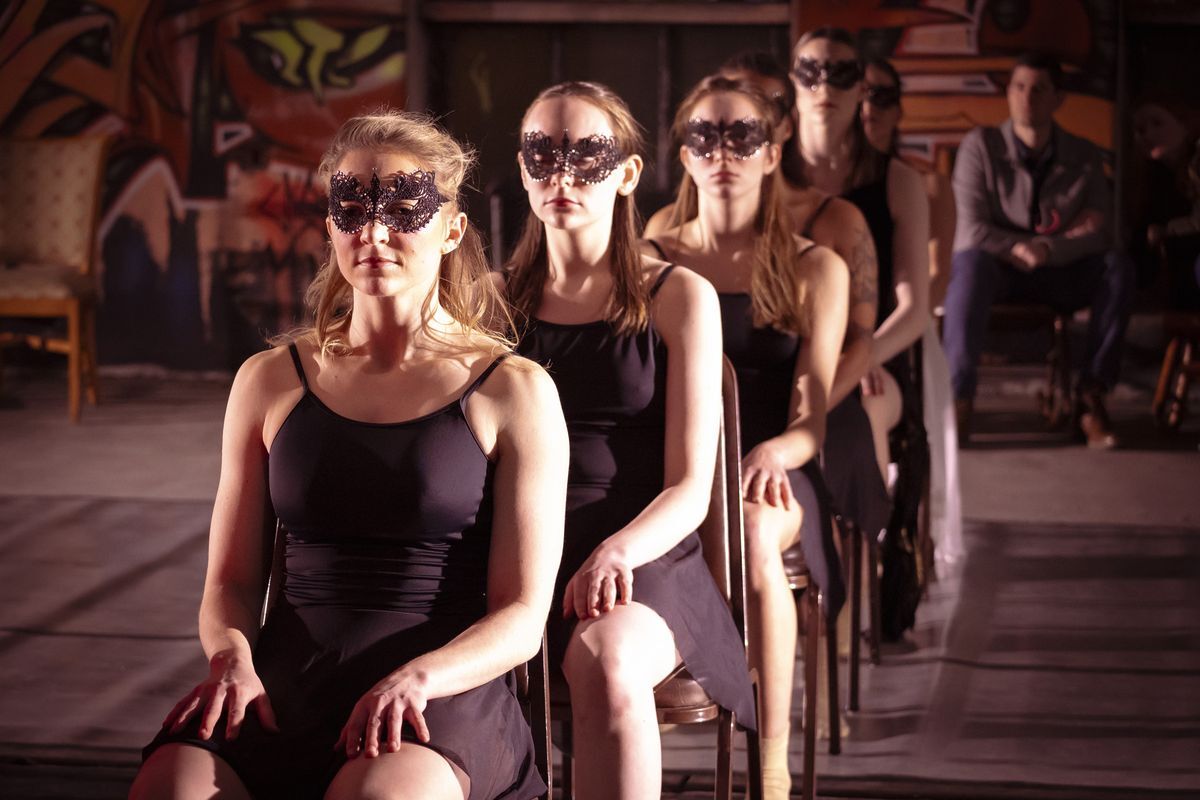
(848, 462)
(613, 392)
(388, 529)
(765, 362)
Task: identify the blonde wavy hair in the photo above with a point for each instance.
(778, 277)
(464, 289)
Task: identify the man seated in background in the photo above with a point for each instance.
(1033, 225)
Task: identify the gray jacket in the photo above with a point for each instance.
(993, 191)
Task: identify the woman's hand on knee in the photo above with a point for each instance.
(765, 478)
(379, 715)
(873, 382)
(232, 685)
(602, 582)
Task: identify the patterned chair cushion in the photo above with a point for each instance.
(48, 206)
(42, 282)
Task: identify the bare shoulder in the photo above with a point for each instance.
(841, 215)
(516, 380)
(820, 262)
(659, 220)
(268, 372)
(685, 288)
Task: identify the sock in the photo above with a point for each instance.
(777, 781)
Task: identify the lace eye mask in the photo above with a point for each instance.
(840, 75)
(589, 160)
(743, 138)
(404, 206)
(883, 97)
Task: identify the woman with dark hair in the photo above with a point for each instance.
(634, 346)
(1170, 225)
(831, 152)
(881, 113)
(417, 468)
(783, 314)
(857, 491)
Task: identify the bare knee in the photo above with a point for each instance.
(415, 772)
(602, 676)
(180, 772)
(765, 543)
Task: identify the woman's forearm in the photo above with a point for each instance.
(853, 363)
(900, 331)
(228, 620)
(673, 514)
(502, 639)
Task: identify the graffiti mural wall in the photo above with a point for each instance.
(219, 111)
(955, 56)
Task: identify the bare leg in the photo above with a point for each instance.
(883, 410)
(184, 772)
(612, 664)
(772, 635)
(413, 771)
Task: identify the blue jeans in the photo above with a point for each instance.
(1104, 281)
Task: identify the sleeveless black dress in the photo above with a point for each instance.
(613, 392)
(388, 529)
(848, 462)
(765, 362)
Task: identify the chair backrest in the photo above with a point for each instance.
(721, 533)
(52, 217)
(273, 544)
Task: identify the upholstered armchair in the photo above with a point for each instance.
(49, 207)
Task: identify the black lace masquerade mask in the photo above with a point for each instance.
(404, 206)
(883, 97)
(837, 74)
(589, 160)
(742, 138)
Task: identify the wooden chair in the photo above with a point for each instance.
(679, 699)
(533, 686)
(1054, 400)
(810, 610)
(1180, 365)
(48, 220)
(858, 543)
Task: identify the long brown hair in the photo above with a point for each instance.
(778, 285)
(464, 289)
(868, 162)
(628, 306)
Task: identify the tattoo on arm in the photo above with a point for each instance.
(864, 269)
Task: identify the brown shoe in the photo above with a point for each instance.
(963, 407)
(1093, 421)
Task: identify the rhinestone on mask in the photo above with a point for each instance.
(589, 160)
(387, 204)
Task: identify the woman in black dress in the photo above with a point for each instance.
(784, 304)
(634, 346)
(418, 471)
(830, 151)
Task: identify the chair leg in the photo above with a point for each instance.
(831, 658)
(855, 585)
(875, 610)
(1163, 387)
(1183, 380)
(812, 655)
(74, 362)
(539, 714)
(91, 365)
(724, 784)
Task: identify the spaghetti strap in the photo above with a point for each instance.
(658, 248)
(803, 252)
(662, 276)
(299, 367)
(812, 218)
(475, 384)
